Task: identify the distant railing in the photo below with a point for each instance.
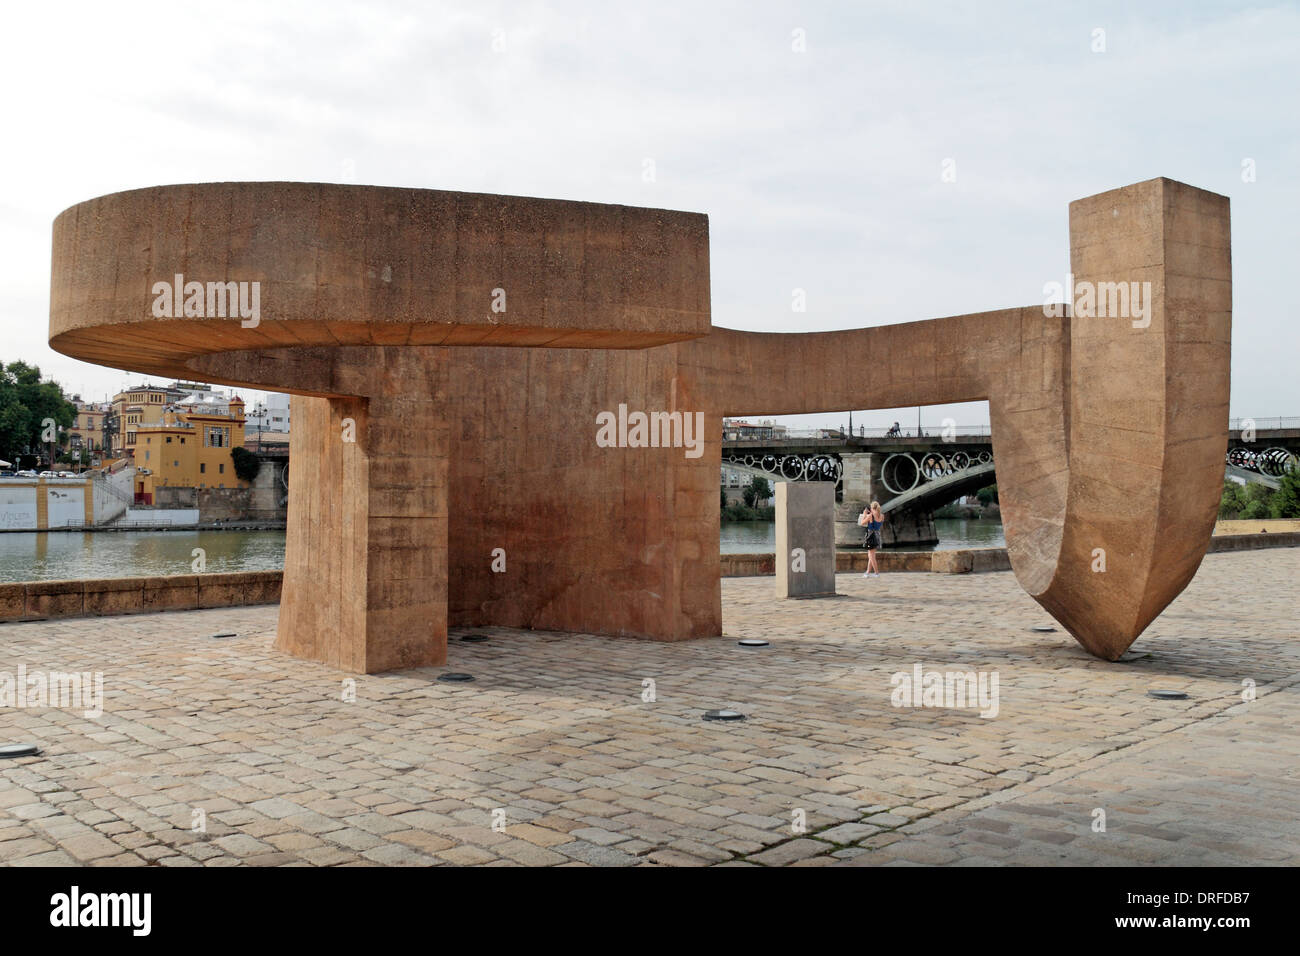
(828, 434)
(1263, 424)
(125, 497)
(139, 521)
(1235, 425)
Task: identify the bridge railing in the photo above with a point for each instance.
(859, 431)
(1263, 424)
(965, 431)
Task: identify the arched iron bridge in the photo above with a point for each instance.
(1273, 462)
(900, 473)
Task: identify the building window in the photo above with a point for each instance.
(203, 468)
(221, 468)
(169, 439)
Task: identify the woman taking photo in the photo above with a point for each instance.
(873, 520)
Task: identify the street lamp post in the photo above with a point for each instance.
(260, 413)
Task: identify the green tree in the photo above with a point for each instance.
(1286, 500)
(1258, 501)
(246, 463)
(73, 456)
(26, 402)
(723, 492)
(987, 495)
(1256, 510)
(1233, 502)
(757, 490)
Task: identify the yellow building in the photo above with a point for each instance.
(138, 407)
(87, 429)
(189, 450)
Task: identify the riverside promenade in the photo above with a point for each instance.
(221, 752)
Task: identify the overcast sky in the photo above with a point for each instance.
(819, 170)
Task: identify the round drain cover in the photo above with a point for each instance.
(1167, 694)
(752, 642)
(1043, 628)
(1129, 657)
(474, 638)
(19, 750)
(454, 678)
(723, 715)
(225, 634)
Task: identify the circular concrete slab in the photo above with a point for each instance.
(154, 279)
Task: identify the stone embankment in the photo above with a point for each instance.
(41, 600)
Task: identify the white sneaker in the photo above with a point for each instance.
(866, 574)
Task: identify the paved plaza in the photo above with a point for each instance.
(221, 752)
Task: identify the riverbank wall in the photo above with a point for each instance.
(44, 600)
(97, 597)
(970, 560)
(104, 501)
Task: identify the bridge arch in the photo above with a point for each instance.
(909, 476)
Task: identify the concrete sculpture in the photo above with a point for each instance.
(455, 357)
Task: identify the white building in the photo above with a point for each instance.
(271, 415)
(204, 402)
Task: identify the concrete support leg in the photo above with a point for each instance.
(365, 586)
(805, 539)
(859, 487)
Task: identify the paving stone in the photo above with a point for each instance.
(466, 856)
(597, 835)
(848, 832)
(89, 846)
(12, 850)
(392, 854)
(789, 852)
(556, 735)
(240, 844)
(541, 836)
(596, 855)
(676, 858)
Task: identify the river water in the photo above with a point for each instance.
(58, 555)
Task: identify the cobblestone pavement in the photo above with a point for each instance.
(554, 741)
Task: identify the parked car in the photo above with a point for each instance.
(8, 474)
(66, 474)
(26, 473)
